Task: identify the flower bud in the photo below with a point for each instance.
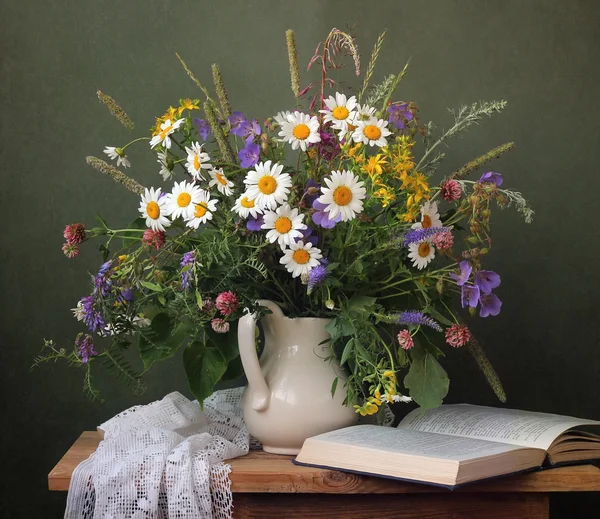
(330, 304)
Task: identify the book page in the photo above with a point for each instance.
(431, 445)
(525, 428)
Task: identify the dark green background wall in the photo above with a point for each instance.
(542, 56)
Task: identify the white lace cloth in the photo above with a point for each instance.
(163, 460)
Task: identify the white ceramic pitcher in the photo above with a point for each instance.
(288, 397)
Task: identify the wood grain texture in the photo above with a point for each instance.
(411, 506)
(260, 472)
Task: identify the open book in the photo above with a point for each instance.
(454, 444)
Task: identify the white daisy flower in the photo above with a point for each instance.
(183, 199)
(245, 206)
(166, 129)
(343, 195)
(429, 217)
(203, 210)
(267, 185)
(154, 209)
(421, 254)
(117, 154)
(300, 130)
(284, 225)
(340, 111)
(300, 259)
(281, 117)
(363, 113)
(220, 180)
(373, 132)
(197, 160)
(165, 170)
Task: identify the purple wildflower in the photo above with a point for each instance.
(249, 155)
(487, 280)
(494, 178)
(247, 130)
(85, 347)
(320, 217)
(415, 318)
(470, 295)
(316, 276)
(465, 273)
(203, 128)
(187, 276)
(235, 120)
(255, 224)
(490, 305)
(328, 147)
(423, 234)
(399, 115)
(91, 317)
(125, 295)
(102, 281)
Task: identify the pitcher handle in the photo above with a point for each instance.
(261, 394)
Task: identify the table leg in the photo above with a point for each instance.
(457, 505)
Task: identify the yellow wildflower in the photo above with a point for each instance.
(389, 374)
(171, 114)
(188, 104)
(352, 151)
(385, 195)
(366, 409)
(374, 166)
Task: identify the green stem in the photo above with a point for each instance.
(134, 141)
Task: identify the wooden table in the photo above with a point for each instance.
(269, 486)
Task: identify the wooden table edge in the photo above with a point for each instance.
(259, 472)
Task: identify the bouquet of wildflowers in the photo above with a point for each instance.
(328, 208)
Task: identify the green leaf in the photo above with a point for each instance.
(151, 286)
(348, 350)
(333, 328)
(235, 370)
(361, 303)
(101, 221)
(334, 386)
(358, 267)
(105, 252)
(439, 316)
(198, 299)
(205, 366)
(426, 379)
(162, 340)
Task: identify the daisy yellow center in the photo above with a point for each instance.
(153, 210)
(245, 202)
(340, 113)
(201, 209)
(221, 179)
(424, 249)
(426, 221)
(196, 162)
(301, 257)
(342, 195)
(283, 225)
(372, 132)
(165, 132)
(301, 131)
(267, 185)
(184, 199)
